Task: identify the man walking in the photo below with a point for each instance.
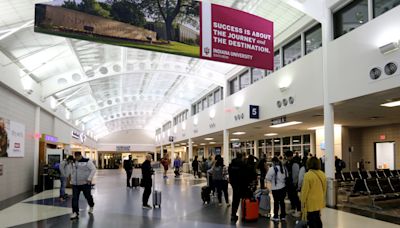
(83, 171)
(237, 178)
(128, 166)
(147, 172)
(65, 172)
(291, 185)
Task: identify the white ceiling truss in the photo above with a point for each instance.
(108, 88)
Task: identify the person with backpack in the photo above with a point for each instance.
(313, 193)
(277, 175)
(220, 178)
(339, 164)
(237, 180)
(291, 183)
(128, 166)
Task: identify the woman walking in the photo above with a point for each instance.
(220, 178)
(313, 193)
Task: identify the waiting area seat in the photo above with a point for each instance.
(373, 174)
(380, 189)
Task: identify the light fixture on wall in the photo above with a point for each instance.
(27, 83)
(212, 113)
(390, 47)
(239, 100)
(284, 84)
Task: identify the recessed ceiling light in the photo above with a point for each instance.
(212, 142)
(202, 144)
(208, 139)
(234, 139)
(270, 134)
(286, 124)
(391, 104)
(239, 133)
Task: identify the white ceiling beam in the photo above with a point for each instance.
(14, 30)
(312, 8)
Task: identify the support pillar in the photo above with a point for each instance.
(226, 154)
(190, 147)
(36, 147)
(172, 154)
(162, 151)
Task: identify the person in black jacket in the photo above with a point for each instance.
(128, 166)
(263, 171)
(147, 171)
(195, 167)
(237, 178)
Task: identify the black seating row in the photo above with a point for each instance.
(352, 176)
(378, 189)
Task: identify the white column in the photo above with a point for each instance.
(172, 154)
(190, 146)
(36, 147)
(255, 148)
(226, 155)
(162, 150)
(155, 154)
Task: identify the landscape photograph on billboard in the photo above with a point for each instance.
(170, 26)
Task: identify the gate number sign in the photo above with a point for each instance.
(254, 111)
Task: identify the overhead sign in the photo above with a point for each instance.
(233, 36)
(79, 135)
(49, 138)
(254, 112)
(176, 27)
(12, 138)
(123, 148)
(171, 138)
(279, 120)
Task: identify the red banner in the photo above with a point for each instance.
(232, 36)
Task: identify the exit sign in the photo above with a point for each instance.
(382, 137)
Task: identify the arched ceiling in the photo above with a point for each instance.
(108, 88)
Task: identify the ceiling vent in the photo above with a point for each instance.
(375, 73)
(390, 68)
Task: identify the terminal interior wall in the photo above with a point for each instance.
(17, 172)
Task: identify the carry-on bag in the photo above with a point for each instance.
(264, 201)
(156, 194)
(135, 182)
(205, 194)
(249, 210)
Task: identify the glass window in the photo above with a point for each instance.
(277, 142)
(306, 150)
(269, 152)
(313, 39)
(296, 149)
(277, 60)
(292, 51)
(277, 151)
(382, 6)
(257, 74)
(285, 149)
(306, 139)
(261, 143)
(286, 141)
(244, 80)
(205, 103)
(268, 142)
(234, 85)
(194, 109)
(350, 17)
(211, 99)
(198, 107)
(221, 93)
(217, 96)
(296, 139)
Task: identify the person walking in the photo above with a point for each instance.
(220, 178)
(237, 178)
(195, 167)
(177, 166)
(83, 171)
(65, 173)
(165, 162)
(277, 175)
(147, 172)
(128, 166)
(313, 193)
(263, 170)
(293, 169)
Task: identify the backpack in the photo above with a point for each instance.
(342, 164)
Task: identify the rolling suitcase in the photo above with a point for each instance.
(156, 195)
(264, 201)
(205, 194)
(135, 182)
(249, 210)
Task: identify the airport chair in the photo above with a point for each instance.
(356, 175)
(373, 174)
(347, 176)
(395, 182)
(387, 172)
(359, 187)
(364, 174)
(339, 176)
(380, 174)
(387, 188)
(374, 191)
(394, 173)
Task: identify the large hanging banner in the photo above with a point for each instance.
(12, 138)
(169, 26)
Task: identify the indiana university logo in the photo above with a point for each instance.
(207, 50)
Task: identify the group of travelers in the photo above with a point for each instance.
(80, 171)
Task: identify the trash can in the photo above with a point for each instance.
(331, 192)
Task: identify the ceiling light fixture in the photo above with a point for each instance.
(390, 47)
(212, 142)
(234, 139)
(208, 139)
(391, 104)
(270, 134)
(239, 133)
(286, 124)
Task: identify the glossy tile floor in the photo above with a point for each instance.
(118, 206)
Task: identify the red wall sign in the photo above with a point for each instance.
(382, 137)
(232, 36)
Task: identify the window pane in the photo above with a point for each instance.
(292, 51)
(210, 99)
(268, 142)
(297, 149)
(382, 6)
(205, 103)
(199, 107)
(277, 60)
(244, 80)
(350, 17)
(285, 149)
(257, 74)
(297, 139)
(306, 139)
(217, 96)
(277, 142)
(306, 150)
(286, 141)
(313, 38)
(234, 86)
(261, 143)
(277, 151)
